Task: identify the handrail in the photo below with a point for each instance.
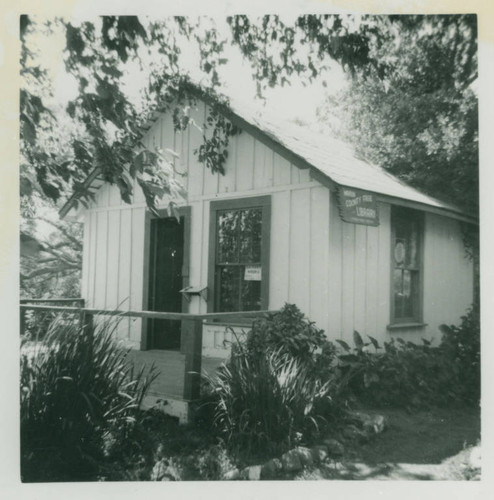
(148, 314)
(49, 301)
(193, 332)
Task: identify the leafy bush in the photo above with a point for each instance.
(79, 396)
(267, 402)
(287, 330)
(461, 344)
(405, 374)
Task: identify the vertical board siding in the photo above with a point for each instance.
(281, 171)
(294, 174)
(358, 270)
(204, 253)
(359, 279)
(182, 149)
(196, 248)
(371, 280)
(167, 139)
(319, 257)
(196, 170)
(92, 258)
(227, 182)
(448, 274)
(245, 162)
(300, 245)
(137, 266)
(100, 259)
(280, 249)
(347, 281)
(86, 245)
(263, 165)
(113, 256)
(383, 287)
(211, 179)
(304, 175)
(338, 274)
(124, 269)
(335, 271)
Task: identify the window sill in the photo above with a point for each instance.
(403, 326)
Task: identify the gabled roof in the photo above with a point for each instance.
(338, 160)
(334, 161)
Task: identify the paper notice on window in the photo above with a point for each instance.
(252, 273)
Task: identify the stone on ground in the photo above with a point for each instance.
(271, 468)
(334, 447)
(291, 461)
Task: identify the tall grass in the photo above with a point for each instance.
(267, 402)
(78, 395)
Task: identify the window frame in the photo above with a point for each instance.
(416, 320)
(263, 202)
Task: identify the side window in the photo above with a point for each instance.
(239, 254)
(406, 258)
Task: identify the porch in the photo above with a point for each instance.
(178, 384)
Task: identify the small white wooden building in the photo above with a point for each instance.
(271, 231)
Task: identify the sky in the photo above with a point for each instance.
(236, 76)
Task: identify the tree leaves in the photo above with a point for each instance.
(75, 42)
(410, 93)
(53, 269)
(420, 123)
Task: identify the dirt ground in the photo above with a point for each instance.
(438, 444)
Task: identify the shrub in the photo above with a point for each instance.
(267, 402)
(461, 344)
(78, 397)
(405, 374)
(287, 330)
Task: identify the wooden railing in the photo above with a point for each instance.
(193, 324)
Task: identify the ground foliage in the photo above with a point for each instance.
(267, 403)
(403, 374)
(286, 384)
(79, 399)
(273, 393)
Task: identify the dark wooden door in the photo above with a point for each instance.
(165, 280)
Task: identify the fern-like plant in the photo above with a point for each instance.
(78, 394)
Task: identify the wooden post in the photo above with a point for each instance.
(193, 359)
(22, 326)
(87, 323)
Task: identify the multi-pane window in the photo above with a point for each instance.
(240, 238)
(406, 266)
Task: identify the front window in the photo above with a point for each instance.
(240, 246)
(406, 266)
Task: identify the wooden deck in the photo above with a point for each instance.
(171, 365)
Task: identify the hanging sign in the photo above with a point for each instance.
(357, 206)
(252, 273)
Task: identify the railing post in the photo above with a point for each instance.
(87, 323)
(22, 326)
(193, 360)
